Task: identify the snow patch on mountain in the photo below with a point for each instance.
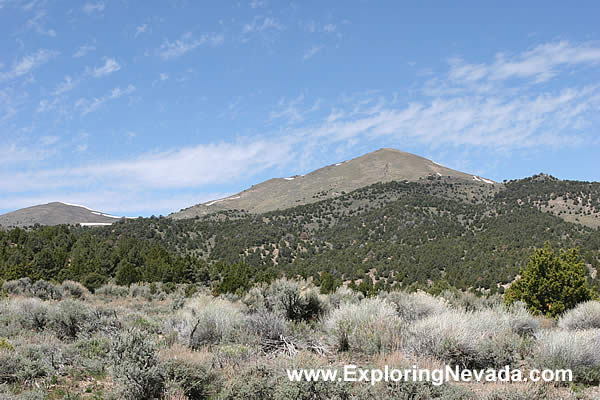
(217, 201)
(75, 205)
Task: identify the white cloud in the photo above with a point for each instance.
(87, 106)
(28, 63)
(144, 28)
(164, 76)
(460, 115)
(315, 27)
(11, 153)
(292, 111)
(539, 64)
(83, 50)
(46, 105)
(185, 167)
(260, 24)
(258, 3)
(310, 53)
(110, 66)
(187, 43)
(37, 23)
(10, 101)
(65, 86)
(329, 28)
(92, 8)
(49, 140)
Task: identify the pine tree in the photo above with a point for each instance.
(551, 283)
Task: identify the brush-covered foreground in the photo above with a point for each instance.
(177, 342)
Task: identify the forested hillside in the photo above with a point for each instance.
(431, 233)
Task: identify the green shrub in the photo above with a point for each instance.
(233, 354)
(10, 364)
(41, 360)
(198, 381)
(415, 306)
(21, 287)
(46, 290)
(264, 383)
(6, 345)
(531, 392)
(135, 366)
(140, 290)
(30, 362)
(69, 317)
(111, 290)
(93, 280)
(584, 316)
(481, 339)
(551, 283)
(207, 320)
(93, 347)
(371, 326)
(74, 290)
(423, 391)
(34, 313)
(345, 295)
(267, 325)
(576, 350)
(255, 299)
(168, 287)
(470, 301)
(294, 300)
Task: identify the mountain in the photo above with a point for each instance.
(384, 165)
(423, 230)
(449, 230)
(56, 213)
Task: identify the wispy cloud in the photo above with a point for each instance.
(141, 29)
(329, 28)
(539, 64)
(11, 153)
(110, 66)
(10, 102)
(65, 86)
(84, 50)
(187, 43)
(28, 63)
(455, 111)
(293, 110)
(47, 105)
(191, 166)
(258, 3)
(260, 24)
(87, 106)
(49, 140)
(311, 52)
(37, 24)
(93, 8)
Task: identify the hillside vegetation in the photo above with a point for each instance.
(164, 341)
(434, 233)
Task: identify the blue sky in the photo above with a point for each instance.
(140, 108)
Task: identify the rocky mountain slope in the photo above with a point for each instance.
(56, 213)
(384, 165)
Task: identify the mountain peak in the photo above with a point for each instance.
(56, 213)
(383, 165)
